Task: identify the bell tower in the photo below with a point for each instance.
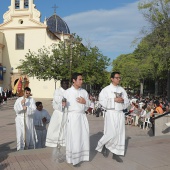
(17, 5)
(21, 4)
(22, 8)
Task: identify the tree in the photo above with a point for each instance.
(157, 13)
(129, 67)
(61, 60)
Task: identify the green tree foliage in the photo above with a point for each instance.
(151, 58)
(157, 12)
(61, 60)
(129, 67)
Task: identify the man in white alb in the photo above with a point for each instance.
(41, 119)
(77, 136)
(114, 99)
(25, 131)
(56, 128)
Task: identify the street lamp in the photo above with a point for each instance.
(58, 78)
(71, 58)
(71, 46)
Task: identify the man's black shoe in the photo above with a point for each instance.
(76, 165)
(105, 152)
(117, 158)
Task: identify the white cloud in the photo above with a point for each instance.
(112, 31)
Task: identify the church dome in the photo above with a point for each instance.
(57, 25)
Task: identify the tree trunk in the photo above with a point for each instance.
(168, 86)
(141, 87)
(156, 87)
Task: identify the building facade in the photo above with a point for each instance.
(22, 31)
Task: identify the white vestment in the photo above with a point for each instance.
(40, 127)
(56, 128)
(77, 136)
(114, 124)
(167, 124)
(27, 125)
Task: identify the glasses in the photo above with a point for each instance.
(118, 78)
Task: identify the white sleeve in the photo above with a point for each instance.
(18, 106)
(126, 100)
(106, 101)
(31, 108)
(87, 105)
(57, 100)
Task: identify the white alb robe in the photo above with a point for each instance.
(56, 128)
(114, 124)
(77, 136)
(40, 127)
(30, 135)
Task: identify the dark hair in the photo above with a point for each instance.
(38, 103)
(157, 103)
(75, 75)
(27, 89)
(64, 81)
(113, 74)
(144, 107)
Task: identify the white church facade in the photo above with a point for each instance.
(22, 31)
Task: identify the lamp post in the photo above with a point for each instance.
(58, 78)
(141, 86)
(168, 86)
(70, 50)
(71, 58)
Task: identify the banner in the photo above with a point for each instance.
(19, 88)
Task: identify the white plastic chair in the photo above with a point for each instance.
(146, 121)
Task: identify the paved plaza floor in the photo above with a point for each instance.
(143, 151)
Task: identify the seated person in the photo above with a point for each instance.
(142, 115)
(133, 117)
(92, 102)
(158, 107)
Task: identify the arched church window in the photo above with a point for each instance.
(17, 4)
(26, 4)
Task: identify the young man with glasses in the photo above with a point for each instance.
(25, 131)
(114, 100)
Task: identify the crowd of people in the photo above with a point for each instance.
(68, 126)
(5, 94)
(143, 110)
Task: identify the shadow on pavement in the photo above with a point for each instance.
(167, 130)
(93, 144)
(6, 147)
(3, 165)
(126, 143)
(150, 132)
(4, 151)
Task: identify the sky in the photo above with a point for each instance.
(111, 25)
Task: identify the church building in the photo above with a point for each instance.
(22, 31)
